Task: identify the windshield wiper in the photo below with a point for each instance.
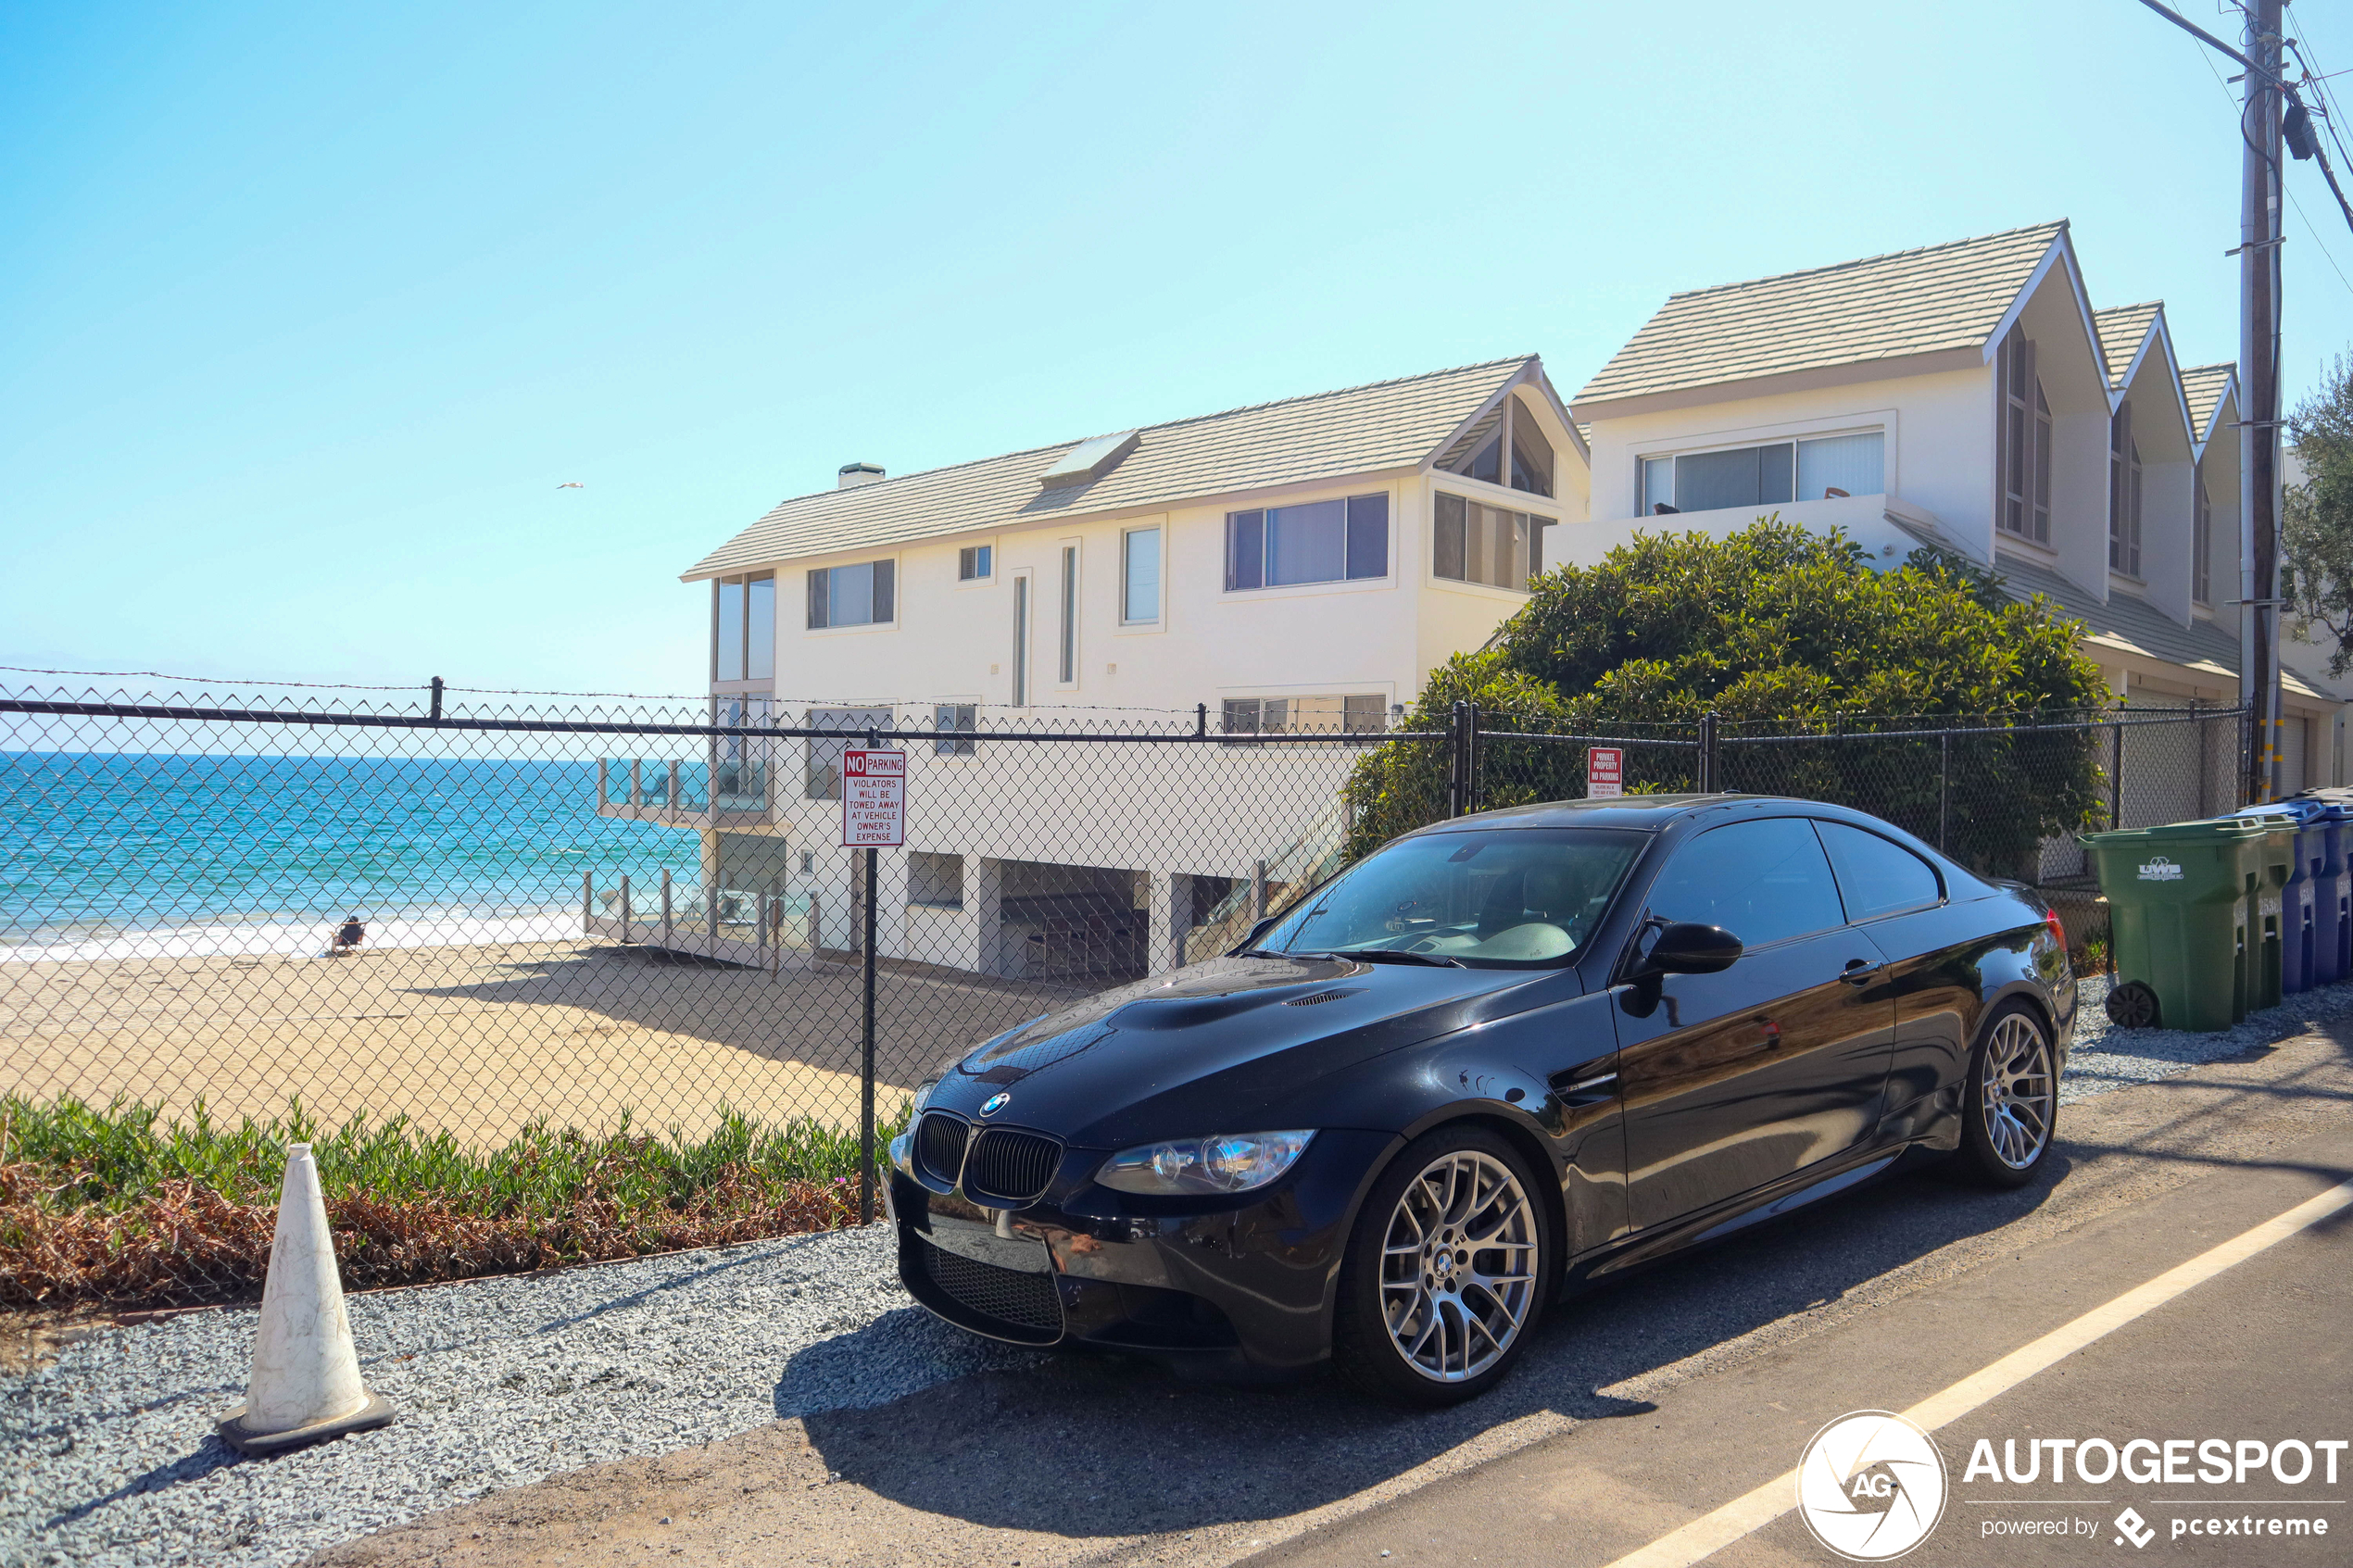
(1369, 955)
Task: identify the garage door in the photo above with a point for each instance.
(2293, 751)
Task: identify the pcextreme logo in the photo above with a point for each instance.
(1872, 1486)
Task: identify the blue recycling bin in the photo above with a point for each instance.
(2308, 954)
(2332, 900)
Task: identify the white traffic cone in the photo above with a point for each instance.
(306, 1382)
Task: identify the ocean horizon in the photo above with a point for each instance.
(146, 855)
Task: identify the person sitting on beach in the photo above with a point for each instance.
(349, 937)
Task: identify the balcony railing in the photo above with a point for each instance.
(672, 788)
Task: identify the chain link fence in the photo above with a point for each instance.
(543, 984)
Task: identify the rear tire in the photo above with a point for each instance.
(1447, 1272)
(2009, 1106)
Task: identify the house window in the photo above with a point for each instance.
(1246, 716)
(1474, 543)
(1020, 639)
(2123, 495)
(974, 562)
(936, 881)
(1066, 669)
(2022, 435)
(1507, 431)
(1768, 475)
(964, 716)
(851, 595)
(1318, 542)
(744, 629)
(2202, 547)
(821, 774)
(1139, 576)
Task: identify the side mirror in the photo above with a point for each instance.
(1261, 929)
(1689, 947)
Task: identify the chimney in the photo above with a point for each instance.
(855, 474)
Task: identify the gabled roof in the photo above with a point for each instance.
(1384, 425)
(1947, 296)
(2204, 386)
(2123, 331)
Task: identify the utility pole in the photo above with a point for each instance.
(2260, 191)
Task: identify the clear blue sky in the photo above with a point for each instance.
(308, 310)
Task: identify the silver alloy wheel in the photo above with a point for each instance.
(2018, 1091)
(1458, 1266)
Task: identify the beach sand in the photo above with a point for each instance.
(479, 1039)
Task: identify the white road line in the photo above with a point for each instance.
(1711, 1533)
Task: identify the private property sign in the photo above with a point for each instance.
(1605, 772)
(873, 799)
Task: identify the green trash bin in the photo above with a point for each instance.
(2265, 878)
(2179, 924)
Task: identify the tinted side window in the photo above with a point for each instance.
(1761, 881)
(1878, 877)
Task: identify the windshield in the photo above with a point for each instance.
(1509, 897)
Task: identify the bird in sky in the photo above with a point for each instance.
(572, 485)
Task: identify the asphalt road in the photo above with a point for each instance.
(1637, 1410)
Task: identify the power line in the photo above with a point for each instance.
(2310, 227)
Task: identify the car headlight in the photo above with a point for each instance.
(923, 1093)
(902, 1152)
(1228, 1162)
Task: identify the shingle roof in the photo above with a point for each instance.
(2133, 624)
(2203, 384)
(2122, 330)
(1385, 424)
(1880, 308)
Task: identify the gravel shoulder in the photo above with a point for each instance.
(764, 1396)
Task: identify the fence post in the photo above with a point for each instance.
(604, 789)
(1200, 721)
(673, 801)
(2116, 777)
(1944, 793)
(624, 908)
(636, 784)
(1454, 761)
(587, 902)
(436, 699)
(866, 1064)
(665, 908)
(1707, 772)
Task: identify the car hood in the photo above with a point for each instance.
(1215, 1046)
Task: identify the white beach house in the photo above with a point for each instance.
(1292, 566)
(1968, 395)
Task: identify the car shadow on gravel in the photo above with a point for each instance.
(1093, 1446)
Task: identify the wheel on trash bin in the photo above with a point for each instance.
(2132, 1006)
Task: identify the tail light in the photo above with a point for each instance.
(2058, 931)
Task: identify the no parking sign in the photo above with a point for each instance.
(873, 799)
(1605, 772)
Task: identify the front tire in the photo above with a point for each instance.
(1449, 1267)
(2010, 1112)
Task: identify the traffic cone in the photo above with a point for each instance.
(305, 1385)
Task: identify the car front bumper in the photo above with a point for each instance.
(1238, 1288)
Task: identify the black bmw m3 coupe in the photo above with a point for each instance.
(1497, 1059)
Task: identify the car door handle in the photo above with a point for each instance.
(1861, 972)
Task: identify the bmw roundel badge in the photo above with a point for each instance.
(994, 1104)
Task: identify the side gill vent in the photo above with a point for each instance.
(1319, 998)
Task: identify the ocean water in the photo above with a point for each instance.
(115, 855)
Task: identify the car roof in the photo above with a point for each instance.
(1649, 813)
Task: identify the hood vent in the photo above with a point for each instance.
(1320, 996)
